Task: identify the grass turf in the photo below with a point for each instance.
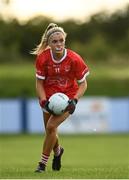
(86, 156)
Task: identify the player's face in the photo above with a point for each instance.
(57, 43)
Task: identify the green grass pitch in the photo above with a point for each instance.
(85, 157)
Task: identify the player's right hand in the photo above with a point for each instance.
(44, 105)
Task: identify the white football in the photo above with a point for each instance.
(58, 103)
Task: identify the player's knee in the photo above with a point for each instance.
(50, 128)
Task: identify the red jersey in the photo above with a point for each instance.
(63, 75)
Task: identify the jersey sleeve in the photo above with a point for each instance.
(40, 70)
(81, 69)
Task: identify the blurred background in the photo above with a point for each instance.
(98, 31)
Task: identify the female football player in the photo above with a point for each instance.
(57, 70)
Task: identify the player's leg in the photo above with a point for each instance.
(57, 147)
(58, 150)
(51, 129)
(51, 124)
(41, 166)
(50, 139)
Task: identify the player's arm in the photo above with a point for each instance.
(81, 90)
(40, 76)
(42, 95)
(80, 74)
(40, 89)
(72, 102)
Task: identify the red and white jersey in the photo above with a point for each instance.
(61, 76)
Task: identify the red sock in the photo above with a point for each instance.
(44, 158)
(57, 151)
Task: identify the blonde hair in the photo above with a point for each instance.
(51, 28)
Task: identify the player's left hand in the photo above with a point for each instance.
(71, 106)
